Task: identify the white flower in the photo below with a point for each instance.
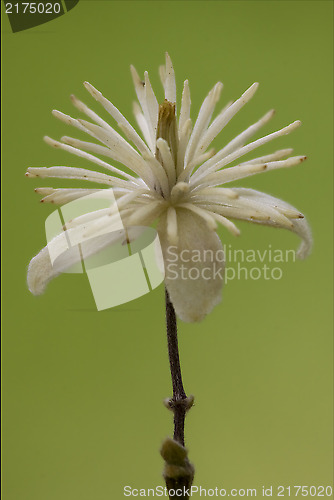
(172, 177)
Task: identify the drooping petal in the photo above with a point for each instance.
(42, 269)
(194, 266)
(299, 224)
(40, 272)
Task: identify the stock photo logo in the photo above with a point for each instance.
(24, 15)
(121, 264)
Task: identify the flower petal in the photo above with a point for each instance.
(194, 267)
(60, 196)
(41, 270)
(185, 105)
(298, 225)
(109, 107)
(77, 173)
(87, 156)
(142, 123)
(169, 83)
(142, 98)
(241, 139)
(245, 170)
(202, 122)
(223, 118)
(220, 160)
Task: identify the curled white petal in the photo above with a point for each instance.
(298, 225)
(42, 270)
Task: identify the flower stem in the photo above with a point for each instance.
(179, 394)
(178, 472)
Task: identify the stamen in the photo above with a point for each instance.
(167, 127)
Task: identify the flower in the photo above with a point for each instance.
(171, 177)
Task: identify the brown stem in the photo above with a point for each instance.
(179, 395)
(179, 472)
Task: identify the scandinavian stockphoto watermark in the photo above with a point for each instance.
(250, 264)
(123, 264)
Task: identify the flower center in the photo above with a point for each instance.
(167, 128)
(167, 152)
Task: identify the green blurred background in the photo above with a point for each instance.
(83, 390)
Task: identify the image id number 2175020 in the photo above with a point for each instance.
(33, 8)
